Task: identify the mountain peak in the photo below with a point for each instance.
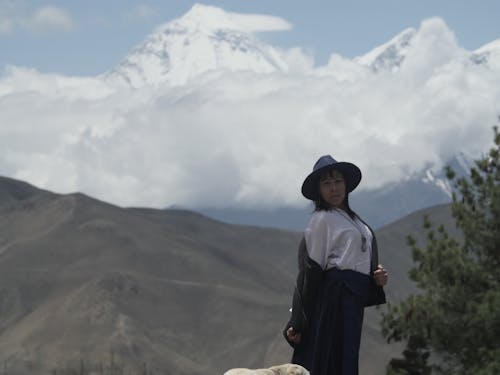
(487, 54)
(206, 38)
(206, 17)
(433, 38)
(211, 18)
(390, 55)
(202, 18)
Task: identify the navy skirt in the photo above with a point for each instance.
(331, 345)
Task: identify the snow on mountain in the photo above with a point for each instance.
(433, 39)
(441, 183)
(389, 56)
(488, 54)
(204, 39)
(460, 164)
(208, 38)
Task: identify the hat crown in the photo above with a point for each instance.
(324, 161)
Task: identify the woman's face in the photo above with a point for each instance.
(332, 189)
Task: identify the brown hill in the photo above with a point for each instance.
(82, 280)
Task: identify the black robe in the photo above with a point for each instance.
(325, 304)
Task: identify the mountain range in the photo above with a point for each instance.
(203, 93)
(209, 39)
(170, 291)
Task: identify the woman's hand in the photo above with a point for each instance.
(293, 336)
(380, 276)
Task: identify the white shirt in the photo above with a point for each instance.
(334, 240)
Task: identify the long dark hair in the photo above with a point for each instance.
(321, 205)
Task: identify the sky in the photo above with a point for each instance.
(245, 132)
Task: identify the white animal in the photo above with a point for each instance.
(286, 369)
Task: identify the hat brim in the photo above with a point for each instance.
(351, 173)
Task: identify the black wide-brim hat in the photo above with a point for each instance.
(351, 173)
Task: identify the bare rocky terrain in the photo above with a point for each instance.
(83, 281)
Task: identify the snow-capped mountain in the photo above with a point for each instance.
(487, 54)
(389, 56)
(460, 164)
(401, 110)
(204, 39)
(208, 38)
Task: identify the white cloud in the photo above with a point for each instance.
(18, 16)
(140, 13)
(50, 18)
(244, 138)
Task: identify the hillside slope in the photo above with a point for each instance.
(81, 279)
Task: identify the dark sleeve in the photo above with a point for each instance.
(306, 290)
(377, 293)
(376, 296)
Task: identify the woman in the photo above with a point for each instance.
(339, 274)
